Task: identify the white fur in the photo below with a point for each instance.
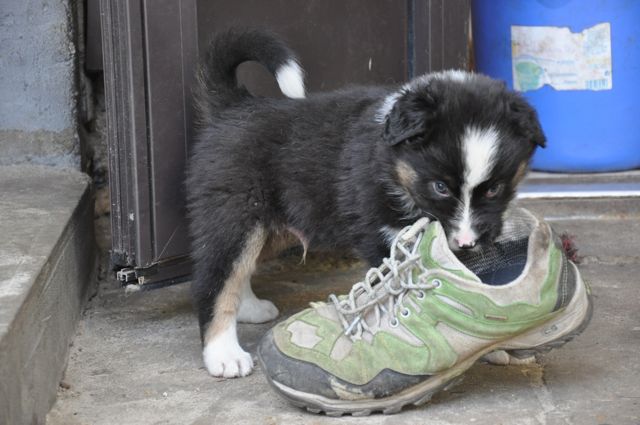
(387, 105)
(415, 84)
(502, 358)
(390, 233)
(479, 148)
(224, 357)
(290, 78)
(254, 310)
(447, 75)
(454, 75)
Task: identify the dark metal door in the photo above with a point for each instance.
(150, 48)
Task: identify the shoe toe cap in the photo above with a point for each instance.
(293, 373)
(310, 378)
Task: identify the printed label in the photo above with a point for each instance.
(561, 59)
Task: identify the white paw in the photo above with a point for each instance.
(254, 310)
(502, 358)
(224, 357)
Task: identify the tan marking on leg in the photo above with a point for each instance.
(407, 175)
(226, 308)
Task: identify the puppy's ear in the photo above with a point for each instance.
(526, 121)
(409, 117)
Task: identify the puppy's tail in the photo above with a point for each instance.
(216, 78)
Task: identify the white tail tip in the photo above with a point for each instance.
(291, 80)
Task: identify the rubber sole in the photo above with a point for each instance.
(423, 392)
(386, 406)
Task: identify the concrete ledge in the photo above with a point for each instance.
(52, 148)
(46, 262)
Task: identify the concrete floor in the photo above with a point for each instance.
(136, 357)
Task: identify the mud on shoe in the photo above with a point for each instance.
(415, 324)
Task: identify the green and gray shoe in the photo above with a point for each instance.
(417, 322)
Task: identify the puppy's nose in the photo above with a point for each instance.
(465, 241)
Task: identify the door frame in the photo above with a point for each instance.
(130, 36)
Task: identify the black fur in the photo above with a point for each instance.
(325, 166)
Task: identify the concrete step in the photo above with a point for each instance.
(539, 185)
(47, 258)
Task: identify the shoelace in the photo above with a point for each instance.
(387, 285)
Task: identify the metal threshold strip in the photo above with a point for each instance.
(579, 190)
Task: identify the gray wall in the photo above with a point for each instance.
(38, 120)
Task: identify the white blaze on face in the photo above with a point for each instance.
(479, 148)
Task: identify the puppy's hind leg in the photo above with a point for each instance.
(232, 262)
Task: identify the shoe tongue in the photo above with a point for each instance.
(436, 254)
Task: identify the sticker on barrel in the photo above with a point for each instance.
(564, 60)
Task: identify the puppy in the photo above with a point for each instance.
(339, 170)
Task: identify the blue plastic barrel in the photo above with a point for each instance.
(591, 125)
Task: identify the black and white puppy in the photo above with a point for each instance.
(339, 170)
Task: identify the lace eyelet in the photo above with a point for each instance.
(420, 295)
(405, 312)
(394, 323)
(436, 283)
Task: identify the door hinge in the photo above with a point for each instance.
(126, 275)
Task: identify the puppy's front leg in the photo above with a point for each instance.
(254, 310)
(373, 249)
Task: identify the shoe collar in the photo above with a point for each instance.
(436, 253)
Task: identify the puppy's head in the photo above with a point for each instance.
(458, 145)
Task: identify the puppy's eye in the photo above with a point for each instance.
(493, 191)
(441, 189)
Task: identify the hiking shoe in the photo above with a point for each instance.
(417, 322)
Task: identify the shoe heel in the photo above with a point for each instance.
(558, 342)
